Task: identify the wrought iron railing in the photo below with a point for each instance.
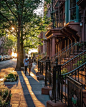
(75, 98)
(62, 89)
(73, 50)
(45, 69)
(40, 64)
(74, 62)
(61, 82)
(69, 51)
(61, 51)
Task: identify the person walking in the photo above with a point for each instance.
(26, 62)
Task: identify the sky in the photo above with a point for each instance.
(40, 9)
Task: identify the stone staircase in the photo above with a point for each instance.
(72, 62)
(68, 53)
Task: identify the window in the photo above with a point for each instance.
(72, 9)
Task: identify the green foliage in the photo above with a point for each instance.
(80, 61)
(3, 96)
(20, 14)
(64, 71)
(47, 1)
(11, 77)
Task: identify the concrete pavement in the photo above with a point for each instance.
(26, 92)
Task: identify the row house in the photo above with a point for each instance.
(42, 49)
(69, 24)
(2, 49)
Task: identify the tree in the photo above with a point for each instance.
(17, 13)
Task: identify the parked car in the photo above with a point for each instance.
(9, 57)
(4, 57)
(1, 57)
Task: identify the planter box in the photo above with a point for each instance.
(10, 84)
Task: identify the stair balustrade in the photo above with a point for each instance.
(63, 86)
(74, 62)
(69, 52)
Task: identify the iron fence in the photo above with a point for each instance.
(74, 93)
(74, 62)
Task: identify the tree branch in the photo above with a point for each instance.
(6, 18)
(11, 10)
(16, 4)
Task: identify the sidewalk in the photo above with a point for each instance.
(27, 91)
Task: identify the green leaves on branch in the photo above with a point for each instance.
(47, 1)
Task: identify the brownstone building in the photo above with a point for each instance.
(69, 25)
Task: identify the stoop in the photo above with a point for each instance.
(39, 76)
(45, 90)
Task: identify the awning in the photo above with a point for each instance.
(54, 33)
(71, 30)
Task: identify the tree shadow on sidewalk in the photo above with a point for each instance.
(33, 89)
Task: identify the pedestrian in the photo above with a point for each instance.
(26, 62)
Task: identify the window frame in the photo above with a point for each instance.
(70, 12)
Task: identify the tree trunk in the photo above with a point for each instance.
(22, 54)
(18, 66)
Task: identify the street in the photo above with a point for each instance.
(8, 63)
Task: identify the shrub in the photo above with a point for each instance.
(11, 77)
(4, 92)
(64, 71)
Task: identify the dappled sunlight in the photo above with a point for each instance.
(18, 96)
(5, 72)
(34, 76)
(34, 98)
(36, 70)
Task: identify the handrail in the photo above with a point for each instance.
(73, 58)
(74, 80)
(70, 51)
(74, 70)
(69, 48)
(61, 90)
(64, 49)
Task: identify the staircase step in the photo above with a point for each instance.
(81, 80)
(76, 53)
(63, 61)
(66, 59)
(71, 56)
